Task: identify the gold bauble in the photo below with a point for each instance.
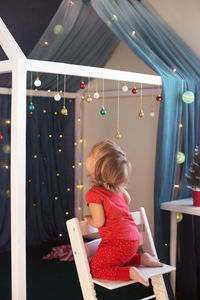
(117, 135)
(64, 111)
(89, 99)
(141, 114)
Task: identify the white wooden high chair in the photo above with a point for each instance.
(84, 251)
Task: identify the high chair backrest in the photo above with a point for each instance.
(84, 250)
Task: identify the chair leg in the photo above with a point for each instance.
(159, 288)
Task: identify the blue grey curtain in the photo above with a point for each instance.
(162, 50)
(75, 35)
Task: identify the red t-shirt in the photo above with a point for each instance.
(119, 224)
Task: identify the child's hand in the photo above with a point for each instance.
(86, 218)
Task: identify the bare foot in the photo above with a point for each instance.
(135, 275)
(150, 261)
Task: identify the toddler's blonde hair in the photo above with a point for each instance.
(112, 168)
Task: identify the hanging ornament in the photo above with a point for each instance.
(141, 113)
(125, 87)
(96, 94)
(134, 90)
(180, 158)
(158, 98)
(188, 97)
(64, 110)
(118, 135)
(103, 110)
(82, 85)
(57, 96)
(89, 98)
(179, 217)
(152, 113)
(1, 137)
(37, 82)
(31, 107)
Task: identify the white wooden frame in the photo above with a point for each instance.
(84, 251)
(18, 65)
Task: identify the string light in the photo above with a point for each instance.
(176, 185)
(46, 43)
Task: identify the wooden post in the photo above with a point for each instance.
(18, 181)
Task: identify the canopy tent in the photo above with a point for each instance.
(19, 65)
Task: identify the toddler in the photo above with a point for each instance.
(108, 203)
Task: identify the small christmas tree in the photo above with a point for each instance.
(194, 178)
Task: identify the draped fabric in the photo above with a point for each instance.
(149, 37)
(82, 38)
(75, 35)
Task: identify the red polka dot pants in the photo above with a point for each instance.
(112, 259)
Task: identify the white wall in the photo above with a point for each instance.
(183, 17)
(138, 135)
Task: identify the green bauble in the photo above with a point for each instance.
(103, 111)
(179, 217)
(31, 107)
(180, 158)
(188, 97)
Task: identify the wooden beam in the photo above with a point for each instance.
(91, 72)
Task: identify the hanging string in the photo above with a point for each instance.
(64, 87)
(103, 110)
(31, 107)
(118, 135)
(89, 98)
(64, 110)
(118, 105)
(141, 113)
(152, 113)
(31, 89)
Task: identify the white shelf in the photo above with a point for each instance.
(184, 206)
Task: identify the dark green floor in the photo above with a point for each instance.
(54, 280)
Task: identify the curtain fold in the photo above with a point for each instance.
(150, 38)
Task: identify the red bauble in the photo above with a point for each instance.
(159, 98)
(1, 137)
(82, 85)
(134, 90)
